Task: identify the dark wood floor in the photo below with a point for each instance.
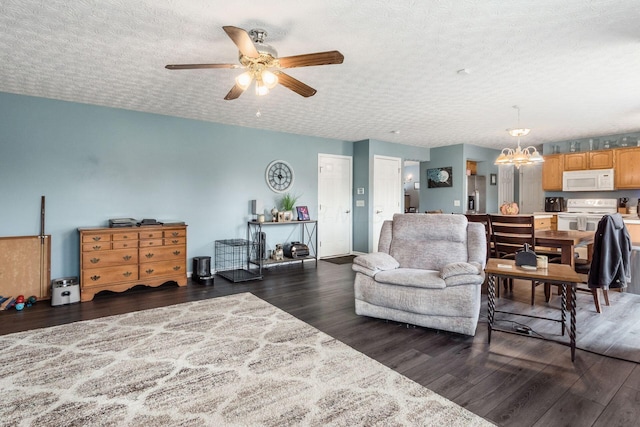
(517, 381)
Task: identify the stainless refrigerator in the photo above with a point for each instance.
(476, 194)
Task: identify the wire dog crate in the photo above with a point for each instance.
(232, 260)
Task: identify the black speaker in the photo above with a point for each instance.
(202, 270)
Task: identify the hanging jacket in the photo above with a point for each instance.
(610, 265)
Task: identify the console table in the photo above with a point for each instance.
(308, 236)
(562, 275)
(116, 259)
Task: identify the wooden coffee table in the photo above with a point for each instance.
(561, 275)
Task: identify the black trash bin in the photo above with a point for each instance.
(202, 270)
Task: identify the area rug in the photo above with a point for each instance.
(615, 332)
(234, 360)
(347, 259)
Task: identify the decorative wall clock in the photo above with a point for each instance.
(279, 176)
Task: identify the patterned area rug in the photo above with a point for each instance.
(234, 360)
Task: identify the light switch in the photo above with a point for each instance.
(360, 190)
(360, 203)
(456, 203)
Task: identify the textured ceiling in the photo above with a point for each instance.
(572, 66)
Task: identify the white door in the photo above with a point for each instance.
(531, 193)
(505, 184)
(335, 184)
(387, 193)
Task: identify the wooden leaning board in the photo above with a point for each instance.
(25, 266)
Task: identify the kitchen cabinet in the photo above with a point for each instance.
(576, 161)
(634, 232)
(552, 169)
(627, 171)
(600, 159)
(542, 223)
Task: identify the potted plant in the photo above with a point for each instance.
(287, 203)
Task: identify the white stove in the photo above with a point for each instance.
(584, 214)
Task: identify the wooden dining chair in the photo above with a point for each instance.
(611, 258)
(484, 220)
(509, 233)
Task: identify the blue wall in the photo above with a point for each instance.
(94, 163)
(443, 197)
(364, 153)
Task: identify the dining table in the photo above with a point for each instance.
(566, 241)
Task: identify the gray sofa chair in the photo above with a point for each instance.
(428, 271)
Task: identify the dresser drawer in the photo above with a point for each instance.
(125, 236)
(151, 234)
(122, 244)
(145, 243)
(162, 253)
(110, 258)
(96, 246)
(162, 268)
(175, 241)
(105, 275)
(94, 238)
(175, 233)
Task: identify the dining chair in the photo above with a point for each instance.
(610, 266)
(509, 233)
(484, 220)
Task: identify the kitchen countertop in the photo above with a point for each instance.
(631, 219)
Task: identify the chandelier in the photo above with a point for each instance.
(519, 156)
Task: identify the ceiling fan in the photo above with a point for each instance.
(263, 65)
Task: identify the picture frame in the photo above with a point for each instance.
(416, 185)
(303, 213)
(493, 179)
(440, 177)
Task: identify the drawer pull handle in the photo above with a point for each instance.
(149, 270)
(150, 235)
(149, 255)
(176, 253)
(94, 260)
(125, 237)
(126, 274)
(175, 241)
(94, 278)
(176, 268)
(97, 247)
(97, 238)
(126, 257)
(125, 245)
(175, 234)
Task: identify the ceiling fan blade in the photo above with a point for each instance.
(309, 59)
(295, 85)
(241, 38)
(196, 66)
(234, 93)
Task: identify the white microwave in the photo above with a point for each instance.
(588, 180)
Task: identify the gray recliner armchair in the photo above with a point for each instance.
(427, 272)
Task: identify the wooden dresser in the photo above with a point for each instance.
(116, 259)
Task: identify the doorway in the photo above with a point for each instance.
(335, 184)
(387, 193)
(531, 193)
(411, 178)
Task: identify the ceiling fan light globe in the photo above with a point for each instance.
(261, 89)
(244, 80)
(269, 79)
